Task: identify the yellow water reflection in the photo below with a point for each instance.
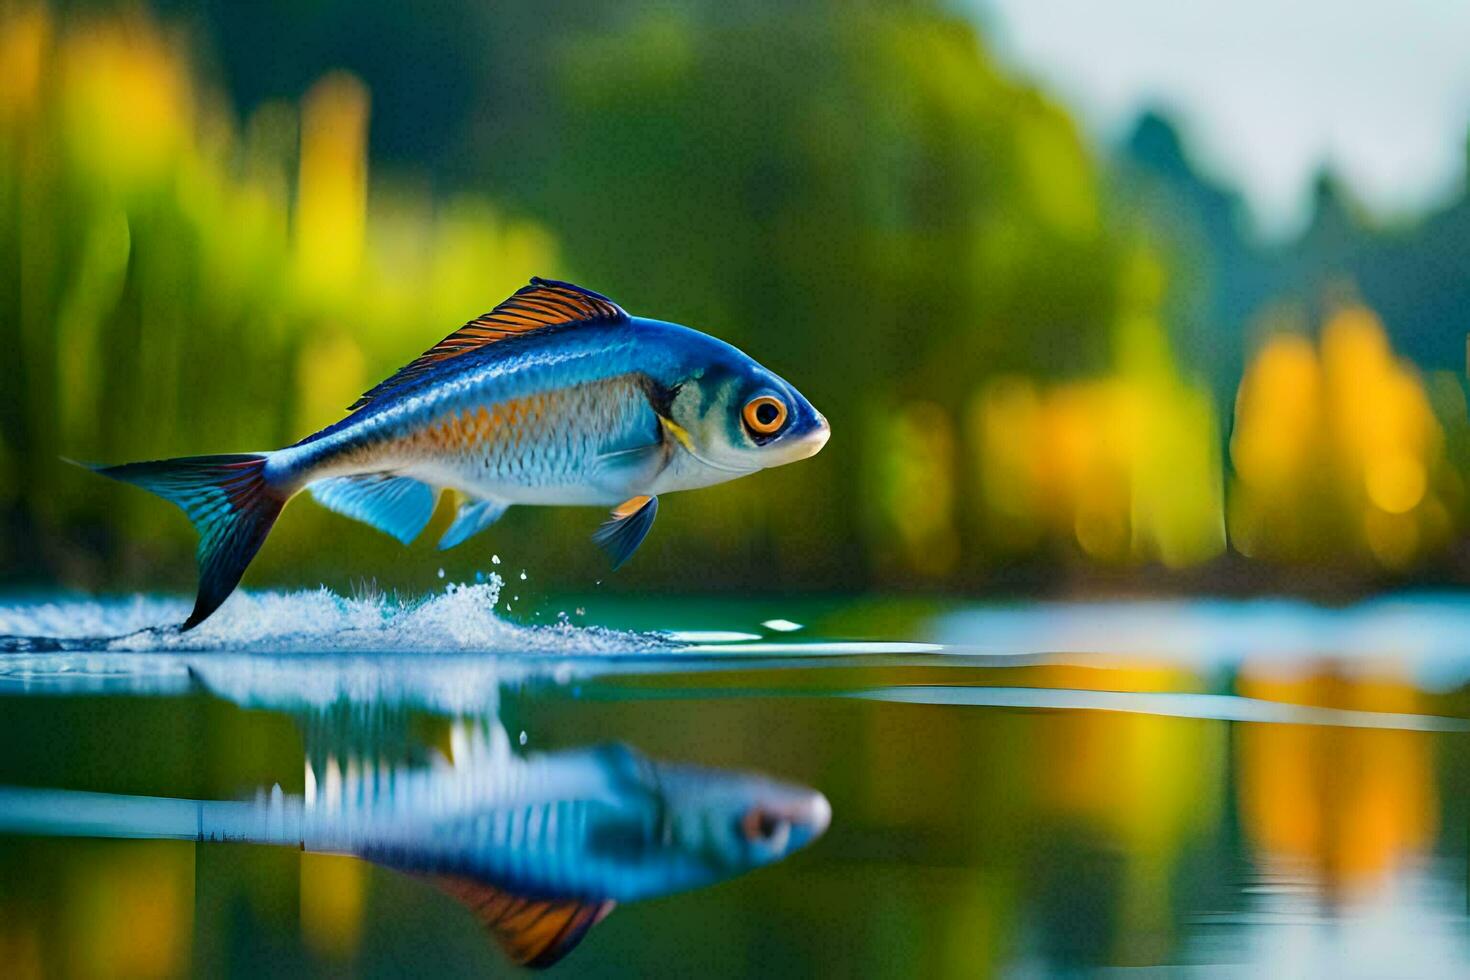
(129, 911)
(1347, 807)
(333, 894)
(1151, 788)
(20, 948)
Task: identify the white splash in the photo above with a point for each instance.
(461, 618)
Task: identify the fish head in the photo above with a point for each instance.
(646, 828)
(732, 822)
(734, 416)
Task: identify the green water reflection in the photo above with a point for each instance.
(967, 839)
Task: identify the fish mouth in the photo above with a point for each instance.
(810, 811)
(778, 827)
(815, 814)
(808, 817)
(808, 445)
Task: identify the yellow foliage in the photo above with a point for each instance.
(331, 208)
(25, 40)
(918, 486)
(127, 102)
(1125, 466)
(1058, 174)
(166, 273)
(1336, 448)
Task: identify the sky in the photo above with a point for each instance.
(1266, 92)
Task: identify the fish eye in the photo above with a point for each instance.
(764, 415)
(762, 827)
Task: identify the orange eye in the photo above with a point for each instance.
(764, 415)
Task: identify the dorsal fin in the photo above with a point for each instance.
(534, 932)
(544, 303)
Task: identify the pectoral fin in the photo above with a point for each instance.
(473, 517)
(621, 469)
(624, 532)
(532, 932)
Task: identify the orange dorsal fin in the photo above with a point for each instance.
(544, 303)
(534, 932)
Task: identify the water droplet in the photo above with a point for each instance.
(495, 559)
(523, 736)
(781, 625)
(441, 573)
(523, 575)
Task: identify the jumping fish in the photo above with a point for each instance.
(555, 397)
(539, 848)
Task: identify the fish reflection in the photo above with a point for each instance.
(540, 848)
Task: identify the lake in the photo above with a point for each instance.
(1014, 789)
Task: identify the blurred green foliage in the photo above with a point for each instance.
(1028, 354)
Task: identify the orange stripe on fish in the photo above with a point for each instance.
(517, 419)
(510, 420)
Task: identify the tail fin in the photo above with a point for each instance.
(231, 505)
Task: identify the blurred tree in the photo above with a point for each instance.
(860, 199)
(161, 291)
(1004, 336)
(856, 195)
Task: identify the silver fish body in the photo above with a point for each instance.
(556, 397)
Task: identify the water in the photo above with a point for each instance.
(1236, 787)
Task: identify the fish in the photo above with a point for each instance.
(556, 397)
(539, 848)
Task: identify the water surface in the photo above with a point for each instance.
(1014, 789)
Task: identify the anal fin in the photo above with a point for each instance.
(472, 518)
(533, 932)
(621, 535)
(396, 505)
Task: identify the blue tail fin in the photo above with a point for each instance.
(231, 505)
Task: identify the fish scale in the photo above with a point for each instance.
(545, 440)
